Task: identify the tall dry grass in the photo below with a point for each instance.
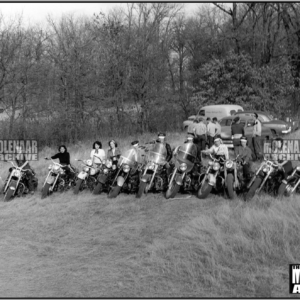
(92, 246)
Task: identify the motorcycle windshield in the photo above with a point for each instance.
(187, 154)
(129, 158)
(158, 154)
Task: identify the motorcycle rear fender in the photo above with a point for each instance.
(211, 179)
(102, 178)
(179, 179)
(120, 181)
(82, 175)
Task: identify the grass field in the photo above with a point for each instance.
(92, 246)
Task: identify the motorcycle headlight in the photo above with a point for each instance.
(183, 167)
(17, 173)
(266, 169)
(89, 162)
(151, 166)
(109, 163)
(210, 163)
(298, 168)
(105, 171)
(216, 166)
(126, 168)
(114, 167)
(50, 167)
(86, 169)
(55, 168)
(229, 164)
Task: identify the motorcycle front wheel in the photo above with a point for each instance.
(8, 195)
(204, 190)
(253, 189)
(77, 186)
(114, 192)
(281, 190)
(229, 185)
(98, 189)
(141, 190)
(172, 191)
(45, 190)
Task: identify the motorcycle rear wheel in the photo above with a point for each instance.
(114, 192)
(204, 190)
(45, 190)
(253, 189)
(229, 185)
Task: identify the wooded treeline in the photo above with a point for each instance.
(146, 68)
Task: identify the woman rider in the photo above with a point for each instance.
(97, 154)
(113, 152)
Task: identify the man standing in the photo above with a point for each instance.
(237, 131)
(211, 132)
(256, 140)
(218, 127)
(190, 129)
(245, 154)
(200, 134)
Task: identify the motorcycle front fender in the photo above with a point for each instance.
(212, 178)
(50, 179)
(120, 181)
(179, 179)
(102, 178)
(145, 178)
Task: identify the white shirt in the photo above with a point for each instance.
(98, 156)
(221, 150)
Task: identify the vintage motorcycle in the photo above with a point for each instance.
(213, 179)
(56, 180)
(186, 173)
(106, 175)
(267, 177)
(87, 178)
(154, 175)
(127, 175)
(235, 183)
(17, 183)
(291, 184)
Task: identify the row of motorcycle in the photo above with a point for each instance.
(124, 174)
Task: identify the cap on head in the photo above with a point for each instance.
(208, 119)
(161, 135)
(135, 143)
(217, 138)
(190, 137)
(243, 139)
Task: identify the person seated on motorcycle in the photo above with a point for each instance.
(113, 152)
(161, 139)
(279, 155)
(245, 156)
(218, 148)
(97, 154)
(30, 174)
(64, 159)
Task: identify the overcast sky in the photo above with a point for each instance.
(37, 12)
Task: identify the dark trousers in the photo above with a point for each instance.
(236, 143)
(210, 140)
(256, 141)
(200, 142)
(246, 170)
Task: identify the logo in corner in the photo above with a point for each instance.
(294, 278)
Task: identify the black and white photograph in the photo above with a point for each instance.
(149, 149)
